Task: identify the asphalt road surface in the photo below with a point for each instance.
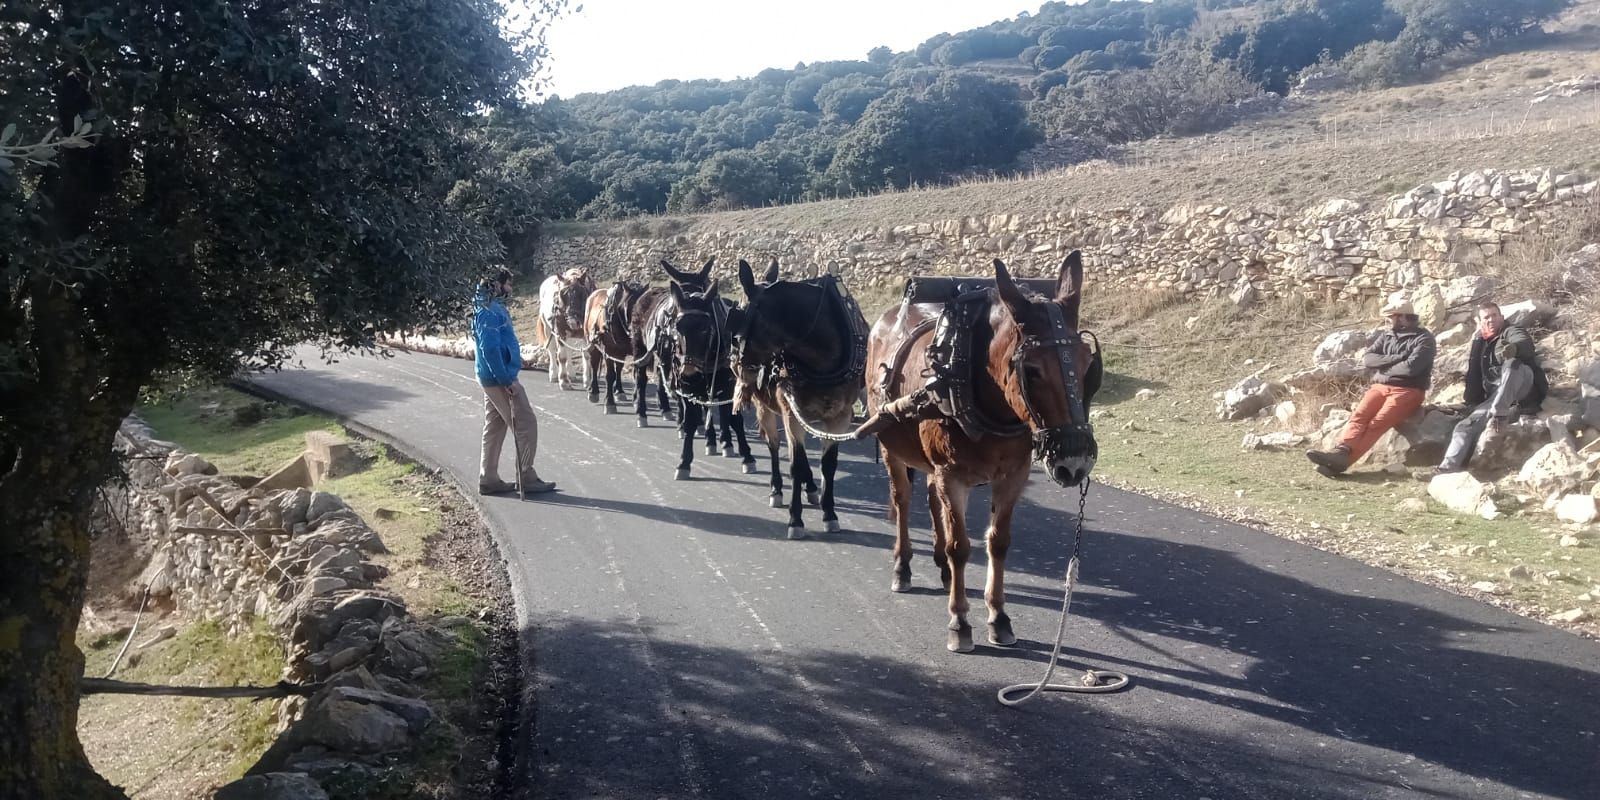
(681, 647)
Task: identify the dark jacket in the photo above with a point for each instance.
(1402, 358)
(1487, 360)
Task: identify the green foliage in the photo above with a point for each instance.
(1185, 92)
(961, 120)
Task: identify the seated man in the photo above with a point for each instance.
(1503, 379)
(1403, 357)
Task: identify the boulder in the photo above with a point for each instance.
(180, 464)
(1248, 397)
(1528, 313)
(416, 713)
(1317, 377)
(1553, 471)
(273, 786)
(347, 725)
(1280, 440)
(1429, 303)
(1244, 295)
(322, 504)
(1340, 345)
(1464, 494)
(1516, 444)
(1454, 336)
(1578, 509)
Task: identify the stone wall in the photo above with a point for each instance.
(239, 550)
(1341, 248)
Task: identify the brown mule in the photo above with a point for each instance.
(605, 326)
(1021, 396)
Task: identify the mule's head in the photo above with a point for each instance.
(690, 280)
(571, 298)
(619, 299)
(1042, 364)
(770, 319)
(699, 343)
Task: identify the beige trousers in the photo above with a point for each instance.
(502, 404)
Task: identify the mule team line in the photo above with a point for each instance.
(971, 380)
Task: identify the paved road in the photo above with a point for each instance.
(682, 648)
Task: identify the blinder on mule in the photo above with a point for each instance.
(1075, 436)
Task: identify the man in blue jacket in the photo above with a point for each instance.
(505, 403)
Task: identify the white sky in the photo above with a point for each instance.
(615, 43)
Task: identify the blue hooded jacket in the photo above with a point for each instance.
(499, 357)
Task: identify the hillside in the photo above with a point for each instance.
(1356, 145)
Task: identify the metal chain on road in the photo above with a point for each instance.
(1094, 681)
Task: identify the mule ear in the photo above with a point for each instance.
(1069, 286)
(1016, 302)
(675, 274)
(677, 292)
(747, 280)
(772, 271)
(705, 271)
(711, 292)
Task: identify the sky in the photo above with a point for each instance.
(615, 43)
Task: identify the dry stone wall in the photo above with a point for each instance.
(1340, 248)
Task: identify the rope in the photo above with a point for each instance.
(1093, 681)
(794, 411)
(688, 398)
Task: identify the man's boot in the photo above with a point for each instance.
(1334, 461)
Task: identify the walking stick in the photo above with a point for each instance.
(516, 438)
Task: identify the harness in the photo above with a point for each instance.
(785, 371)
(949, 388)
(719, 343)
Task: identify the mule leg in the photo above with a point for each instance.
(830, 463)
(662, 398)
(1006, 492)
(958, 548)
(641, 377)
(711, 429)
(940, 534)
(799, 473)
(613, 384)
(592, 359)
(686, 460)
(768, 423)
(813, 497)
(736, 421)
(900, 508)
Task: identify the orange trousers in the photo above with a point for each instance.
(1381, 410)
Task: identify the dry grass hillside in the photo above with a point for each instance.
(1357, 145)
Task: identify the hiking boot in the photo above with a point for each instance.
(536, 486)
(496, 486)
(1428, 474)
(1335, 461)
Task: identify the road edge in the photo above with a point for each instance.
(501, 541)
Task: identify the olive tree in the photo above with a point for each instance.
(235, 176)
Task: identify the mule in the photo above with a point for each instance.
(563, 301)
(801, 353)
(1019, 394)
(648, 349)
(702, 373)
(605, 327)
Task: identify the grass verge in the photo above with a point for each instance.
(1173, 446)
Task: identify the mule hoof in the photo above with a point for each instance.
(814, 498)
(594, 398)
(711, 451)
(749, 467)
(960, 639)
(900, 585)
(611, 409)
(728, 451)
(831, 525)
(797, 532)
(1000, 633)
(776, 500)
(644, 423)
(681, 475)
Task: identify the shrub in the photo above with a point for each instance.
(1051, 58)
(1185, 92)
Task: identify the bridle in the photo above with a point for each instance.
(717, 323)
(1076, 434)
(854, 360)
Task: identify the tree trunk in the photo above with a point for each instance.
(46, 559)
